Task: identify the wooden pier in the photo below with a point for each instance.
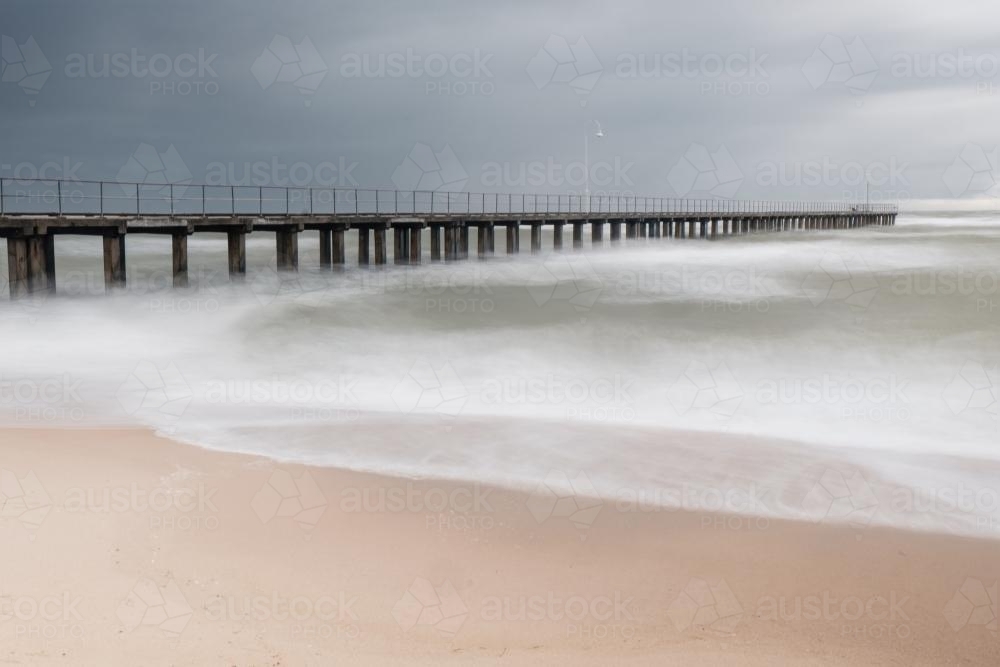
(32, 213)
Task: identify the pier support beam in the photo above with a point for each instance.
(557, 234)
(326, 249)
(616, 232)
(381, 247)
(364, 246)
(180, 259)
(463, 240)
(435, 243)
(483, 244)
(536, 238)
(114, 261)
(597, 233)
(17, 266)
(416, 252)
(513, 238)
(577, 235)
(400, 246)
(38, 274)
(287, 243)
(452, 241)
(338, 249)
(237, 242)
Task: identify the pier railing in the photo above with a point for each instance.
(100, 198)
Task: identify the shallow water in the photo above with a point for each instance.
(874, 348)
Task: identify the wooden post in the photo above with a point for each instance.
(49, 243)
(287, 243)
(463, 240)
(381, 251)
(114, 260)
(326, 248)
(180, 259)
(597, 233)
(237, 254)
(17, 266)
(364, 248)
(513, 239)
(37, 274)
(414, 244)
(338, 250)
(452, 240)
(578, 235)
(435, 243)
(616, 231)
(557, 233)
(482, 243)
(536, 238)
(400, 253)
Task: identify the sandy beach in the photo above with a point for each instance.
(122, 548)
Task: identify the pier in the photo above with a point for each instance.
(32, 213)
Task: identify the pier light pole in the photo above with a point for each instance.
(586, 160)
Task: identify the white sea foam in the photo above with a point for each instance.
(874, 350)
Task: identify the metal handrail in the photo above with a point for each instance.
(88, 197)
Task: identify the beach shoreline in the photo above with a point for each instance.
(127, 548)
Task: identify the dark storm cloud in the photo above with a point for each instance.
(724, 98)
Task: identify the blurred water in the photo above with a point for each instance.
(875, 347)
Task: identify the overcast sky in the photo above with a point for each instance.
(722, 98)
